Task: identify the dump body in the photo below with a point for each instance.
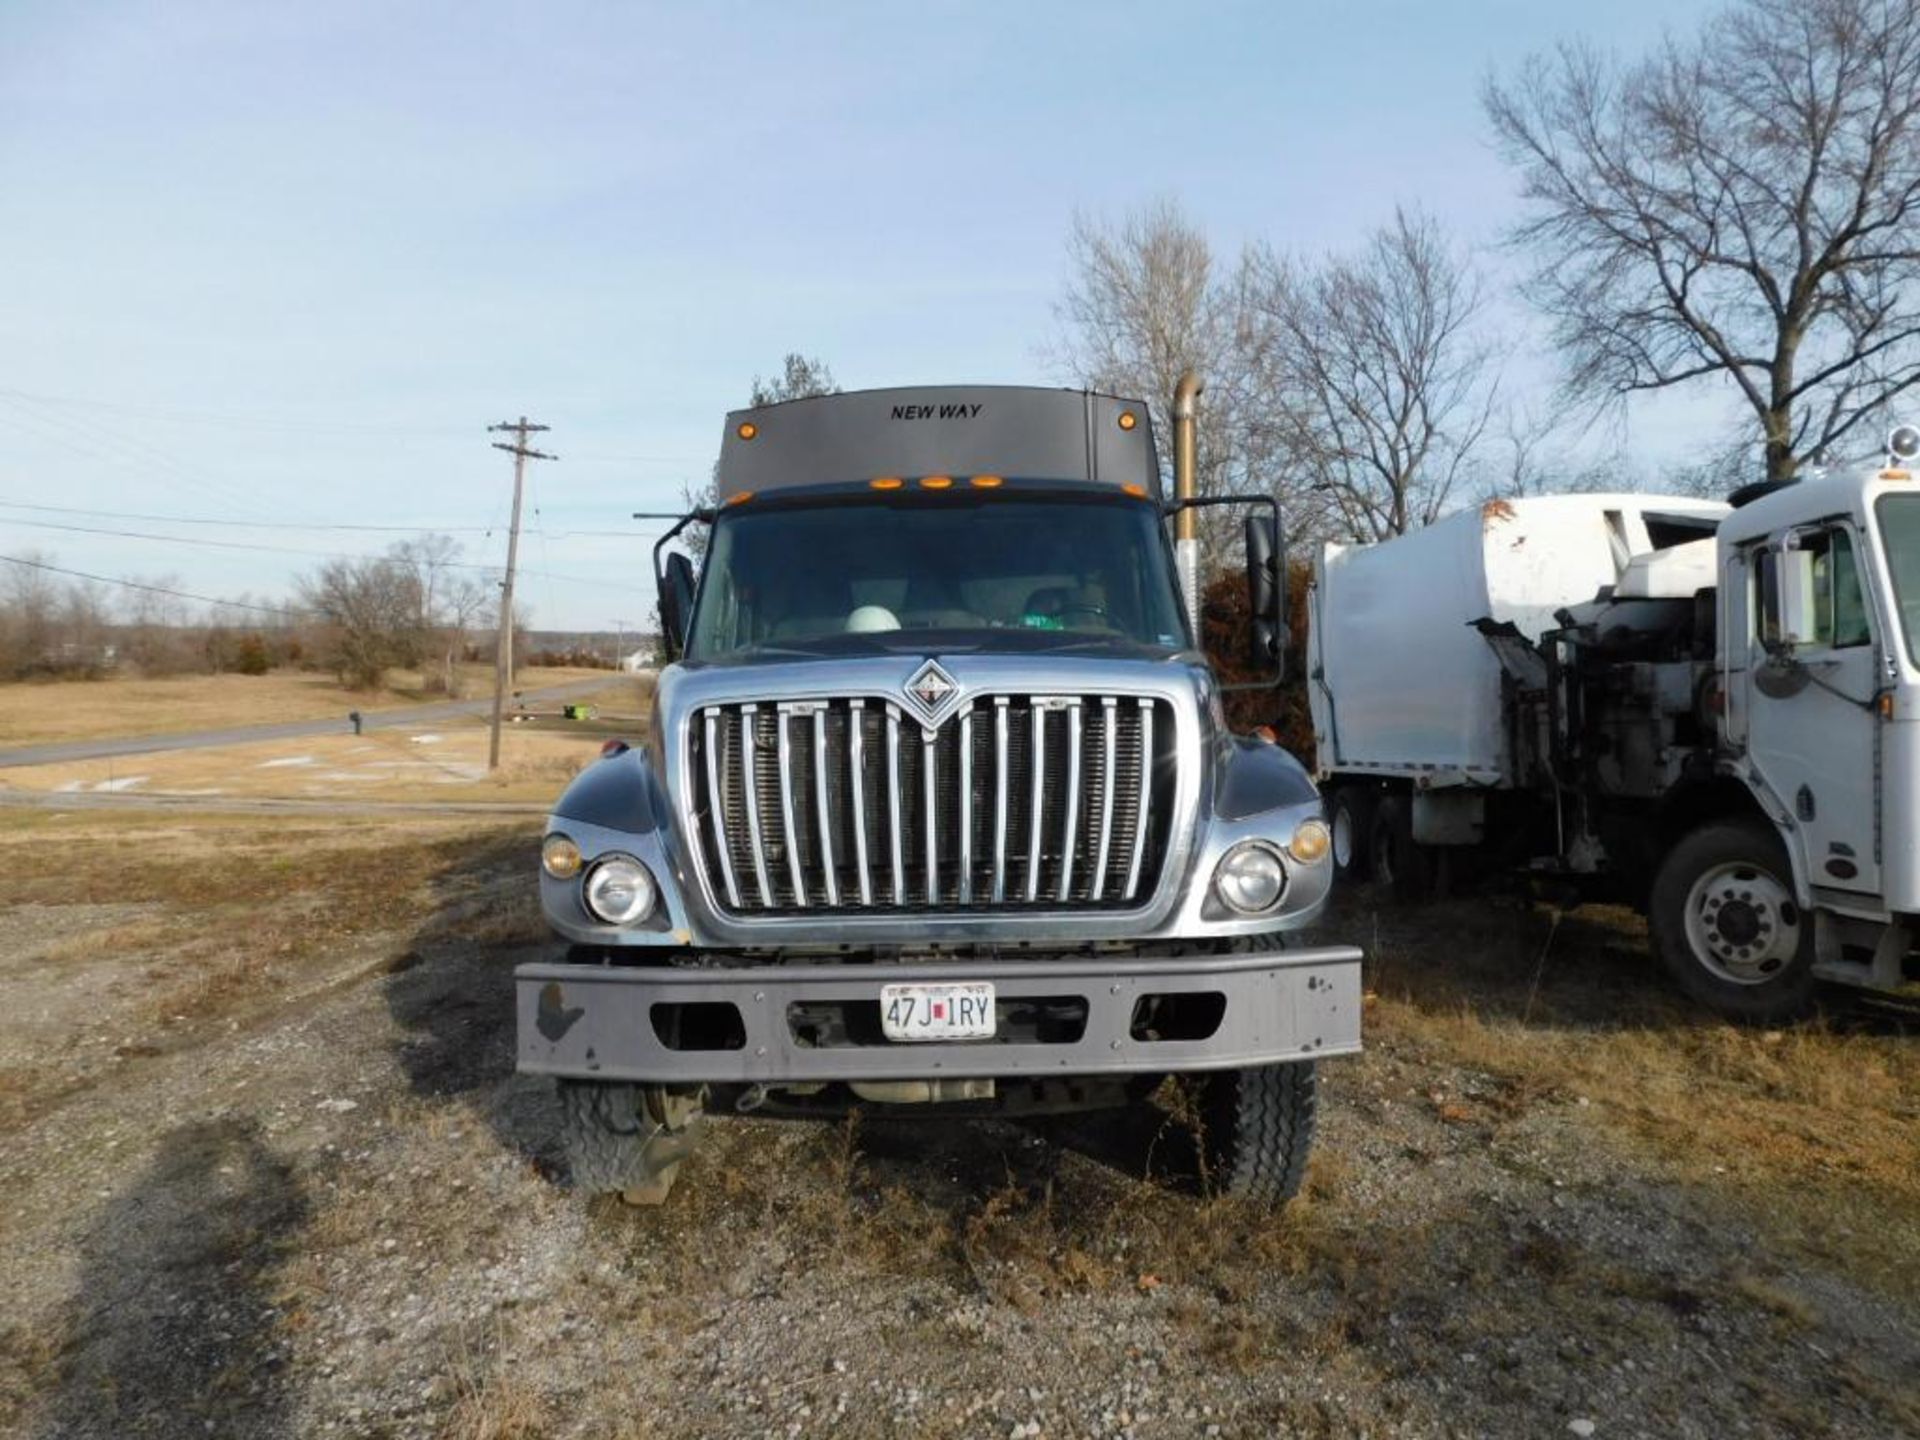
(1400, 681)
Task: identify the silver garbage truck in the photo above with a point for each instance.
(1710, 711)
(937, 809)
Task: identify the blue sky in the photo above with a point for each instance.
(285, 263)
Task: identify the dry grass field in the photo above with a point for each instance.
(267, 1171)
(441, 761)
(32, 712)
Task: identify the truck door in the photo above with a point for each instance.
(1811, 725)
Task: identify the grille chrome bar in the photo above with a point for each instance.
(966, 805)
(931, 820)
(1036, 809)
(893, 804)
(1073, 803)
(749, 743)
(781, 716)
(999, 799)
(717, 807)
(1109, 710)
(823, 799)
(857, 763)
(1061, 804)
(1146, 798)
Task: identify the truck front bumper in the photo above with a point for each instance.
(599, 1021)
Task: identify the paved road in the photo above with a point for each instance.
(59, 752)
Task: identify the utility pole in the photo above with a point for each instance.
(503, 641)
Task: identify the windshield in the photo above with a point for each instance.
(1900, 532)
(791, 575)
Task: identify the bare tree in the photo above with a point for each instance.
(1379, 384)
(371, 607)
(1737, 207)
(801, 377)
(29, 613)
(462, 600)
(1145, 302)
(447, 601)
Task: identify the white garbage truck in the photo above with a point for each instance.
(1710, 711)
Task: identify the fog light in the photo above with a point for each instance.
(560, 857)
(1251, 878)
(619, 891)
(1310, 842)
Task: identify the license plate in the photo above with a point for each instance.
(937, 1012)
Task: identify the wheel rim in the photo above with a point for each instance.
(1742, 924)
(1342, 837)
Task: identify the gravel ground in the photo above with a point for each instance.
(318, 1202)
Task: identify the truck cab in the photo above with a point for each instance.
(1820, 587)
(937, 808)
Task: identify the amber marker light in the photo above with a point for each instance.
(1128, 419)
(741, 498)
(1892, 473)
(747, 430)
(1139, 492)
(986, 482)
(1310, 842)
(560, 857)
(887, 482)
(936, 482)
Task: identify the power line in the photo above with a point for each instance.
(136, 456)
(210, 544)
(424, 528)
(243, 545)
(158, 589)
(234, 420)
(227, 418)
(249, 524)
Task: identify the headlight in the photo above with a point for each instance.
(1310, 842)
(560, 857)
(1250, 879)
(619, 891)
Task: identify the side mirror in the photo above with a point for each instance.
(1266, 595)
(1266, 583)
(676, 603)
(1799, 611)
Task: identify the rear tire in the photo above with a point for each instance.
(1726, 926)
(627, 1139)
(1350, 814)
(1257, 1129)
(1399, 861)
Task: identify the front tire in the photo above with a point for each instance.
(1257, 1129)
(625, 1139)
(1726, 926)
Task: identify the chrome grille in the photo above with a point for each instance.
(1013, 802)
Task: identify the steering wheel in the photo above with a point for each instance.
(1089, 608)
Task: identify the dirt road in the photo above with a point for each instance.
(268, 1172)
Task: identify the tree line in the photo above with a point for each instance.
(417, 606)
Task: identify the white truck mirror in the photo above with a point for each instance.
(1798, 612)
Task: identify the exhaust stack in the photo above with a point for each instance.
(1186, 534)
